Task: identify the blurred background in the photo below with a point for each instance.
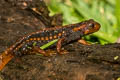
(106, 12)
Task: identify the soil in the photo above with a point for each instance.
(94, 62)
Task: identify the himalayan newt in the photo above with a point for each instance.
(64, 34)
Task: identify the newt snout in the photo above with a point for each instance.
(91, 27)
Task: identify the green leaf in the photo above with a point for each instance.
(48, 44)
(118, 12)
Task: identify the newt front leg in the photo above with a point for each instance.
(82, 41)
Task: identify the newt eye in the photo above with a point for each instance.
(91, 25)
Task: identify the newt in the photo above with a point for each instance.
(64, 34)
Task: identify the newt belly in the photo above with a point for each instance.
(64, 34)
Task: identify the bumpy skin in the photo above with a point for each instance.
(64, 34)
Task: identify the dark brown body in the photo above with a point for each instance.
(64, 34)
(69, 33)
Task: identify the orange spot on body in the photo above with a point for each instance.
(34, 9)
(46, 38)
(50, 37)
(38, 39)
(55, 36)
(78, 28)
(63, 32)
(19, 46)
(34, 38)
(31, 39)
(27, 40)
(24, 3)
(42, 38)
(60, 34)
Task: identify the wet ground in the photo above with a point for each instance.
(94, 62)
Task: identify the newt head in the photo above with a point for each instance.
(91, 26)
(87, 27)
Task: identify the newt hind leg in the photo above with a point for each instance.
(48, 52)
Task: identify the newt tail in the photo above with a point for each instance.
(31, 43)
(4, 59)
